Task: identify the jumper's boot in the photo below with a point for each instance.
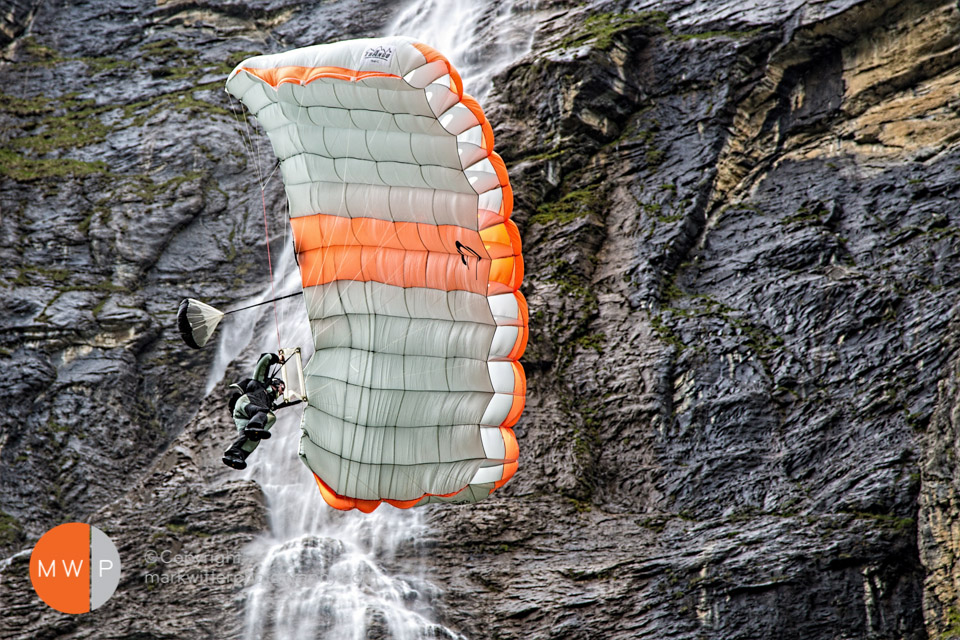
(255, 428)
(235, 456)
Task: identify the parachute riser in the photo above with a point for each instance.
(198, 320)
(291, 372)
(260, 304)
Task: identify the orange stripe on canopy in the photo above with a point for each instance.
(407, 254)
(432, 55)
(275, 76)
(470, 103)
(344, 503)
(508, 470)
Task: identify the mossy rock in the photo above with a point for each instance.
(603, 28)
(11, 532)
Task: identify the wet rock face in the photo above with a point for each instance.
(938, 519)
(741, 288)
(741, 247)
(125, 185)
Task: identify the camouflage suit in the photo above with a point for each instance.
(252, 409)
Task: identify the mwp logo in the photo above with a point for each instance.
(74, 567)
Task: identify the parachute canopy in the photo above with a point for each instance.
(410, 268)
(197, 321)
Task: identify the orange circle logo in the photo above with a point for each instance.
(74, 567)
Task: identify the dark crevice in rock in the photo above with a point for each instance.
(15, 18)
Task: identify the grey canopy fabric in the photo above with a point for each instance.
(410, 267)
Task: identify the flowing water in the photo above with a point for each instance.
(321, 572)
(479, 38)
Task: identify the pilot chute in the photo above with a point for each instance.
(410, 268)
(197, 321)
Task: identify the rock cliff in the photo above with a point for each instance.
(741, 240)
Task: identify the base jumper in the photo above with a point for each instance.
(252, 401)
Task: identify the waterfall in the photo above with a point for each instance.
(321, 572)
(479, 38)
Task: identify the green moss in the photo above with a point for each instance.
(654, 157)
(140, 112)
(57, 125)
(166, 50)
(99, 306)
(749, 206)
(105, 285)
(571, 283)
(896, 523)
(76, 124)
(633, 133)
(808, 213)
(800, 217)
(186, 101)
(38, 54)
(570, 332)
(104, 64)
(951, 622)
(23, 169)
(603, 28)
(683, 304)
(30, 274)
(760, 340)
(593, 341)
(916, 421)
(665, 333)
(32, 53)
(573, 205)
(84, 225)
(52, 427)
(746, 514)
(24, 107)
(148, 190)
(656, 525)
(556, 152)
(672, 291)
(234, 59)
(581, 506)
(669, 219)
(176, 63)
(10, 530)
